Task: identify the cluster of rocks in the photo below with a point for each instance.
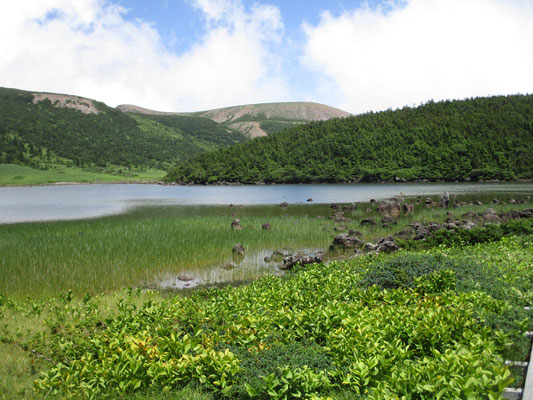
(421, 231)
(291, 261)
(352, 240)
(468, 220)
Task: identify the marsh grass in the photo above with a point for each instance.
(102, 255)
(94, 256)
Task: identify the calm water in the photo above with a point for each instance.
(45, 203)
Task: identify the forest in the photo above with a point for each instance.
(37, 134)
(475, 139)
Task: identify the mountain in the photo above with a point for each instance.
(474, 139)
(40, 129)
(256, 119)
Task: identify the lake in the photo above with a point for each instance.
(63, 202)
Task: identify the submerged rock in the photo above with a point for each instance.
(239, 250)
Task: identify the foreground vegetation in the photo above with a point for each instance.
(435, 321)
(477, 139)
(431, 324)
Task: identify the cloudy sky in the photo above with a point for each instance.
(189, 55)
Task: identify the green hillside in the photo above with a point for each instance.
(43, 131)
(482, 138)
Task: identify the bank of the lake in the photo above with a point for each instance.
(41, 203)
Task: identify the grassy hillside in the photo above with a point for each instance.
(482, 138)
(45, 132)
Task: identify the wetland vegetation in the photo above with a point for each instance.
(437, 319)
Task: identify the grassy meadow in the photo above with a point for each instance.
(14, 175)
(371, 327)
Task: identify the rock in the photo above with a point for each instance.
(489, 211)
(184, 278)
(388, 246)
(489, 218)
(352, 206)
(238, 250)
(429, 201)
(387, 219)
(370, 247)
(444, 200)
(368, 221)
(526, 213)
(284, 204)
(408, 208)
(478, 203)
(346, 241)
(368, 210)
(372, 200)
(267, 259)
(340, 228)
(228, 267)
(495, 201)
(291, 261)
(392, 208)
(434, 227)
(421, 234)
(309, 199)
(450, 226)
(236, 225)
(351, 232)
(402, 234)
(321, 217)
(339, 217)
(334, 206)
(266, 226)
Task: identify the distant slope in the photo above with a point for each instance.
(38, 129)
(257, 119)
(483, 138)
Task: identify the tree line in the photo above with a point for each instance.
(473, 139)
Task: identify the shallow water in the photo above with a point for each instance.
(48, 203)
(234, 271)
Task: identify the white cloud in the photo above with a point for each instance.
(418, 50)
(87, 47)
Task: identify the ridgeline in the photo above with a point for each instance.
(475, 139)
(40, 130)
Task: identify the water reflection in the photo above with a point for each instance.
(233, 271)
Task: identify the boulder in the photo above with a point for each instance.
(392, 208)
(368, 221)
(291, 261)
(339, 216)
(238, 250)
(236, 225)
(370, 247)
(387, 246)
(346, 241)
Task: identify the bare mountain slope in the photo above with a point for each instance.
(258, 119)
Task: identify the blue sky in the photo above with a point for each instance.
(188, 55)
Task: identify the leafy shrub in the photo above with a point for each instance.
(274, 362)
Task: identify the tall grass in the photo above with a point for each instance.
(101, 255)
(42, 259)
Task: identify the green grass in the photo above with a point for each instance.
(12, 174)
(102, 255)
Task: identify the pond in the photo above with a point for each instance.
(64, 202)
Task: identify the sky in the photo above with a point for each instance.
(191, 55)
